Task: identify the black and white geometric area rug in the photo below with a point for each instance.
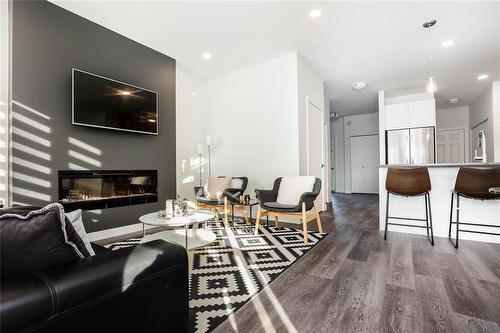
(227, 273)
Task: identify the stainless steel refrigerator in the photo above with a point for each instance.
(411, 146)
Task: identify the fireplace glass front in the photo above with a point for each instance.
(107, 189)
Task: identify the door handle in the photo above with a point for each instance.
(322, 165)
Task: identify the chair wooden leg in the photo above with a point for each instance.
(217, 217)
(276, 222)
(257, 221)
(318, 219)
(304, 223)
(225, 212)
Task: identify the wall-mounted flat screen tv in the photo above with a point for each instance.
(106, 103)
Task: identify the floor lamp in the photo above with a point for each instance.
(208, 142)
(200, 153)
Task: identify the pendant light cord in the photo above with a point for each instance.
(430, 53)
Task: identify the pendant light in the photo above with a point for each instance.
(431, 82)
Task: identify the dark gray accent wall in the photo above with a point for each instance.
(47, 42)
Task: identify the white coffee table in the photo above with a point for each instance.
(190, 238)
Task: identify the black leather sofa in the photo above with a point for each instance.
(137, 289)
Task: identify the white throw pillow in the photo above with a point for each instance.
(75, 217)
(216, 187)
(236, 183)
(291, 188)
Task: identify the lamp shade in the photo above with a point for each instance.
(208, 139)
(200, 149)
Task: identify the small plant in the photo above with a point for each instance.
(181, 204)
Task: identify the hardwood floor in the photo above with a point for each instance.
(354, 281)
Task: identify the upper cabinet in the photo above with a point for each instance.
(422, 113)
(411, 114)
(396, 116)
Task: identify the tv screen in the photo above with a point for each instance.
(106, 103)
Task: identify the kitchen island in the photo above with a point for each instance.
(443, 178)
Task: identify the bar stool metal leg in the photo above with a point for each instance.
(455, 244)
(426, 216)
(451, 214)
(430, 218)
(458, 219)
(386, 216)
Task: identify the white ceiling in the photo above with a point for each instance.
(382, 43)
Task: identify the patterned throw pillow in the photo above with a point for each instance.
(37, 240)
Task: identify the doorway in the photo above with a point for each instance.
(332, 164)
(364, 164)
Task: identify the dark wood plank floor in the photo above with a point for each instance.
(354, 281)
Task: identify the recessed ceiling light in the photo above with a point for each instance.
(206, 55)
(315, 13)
(194, 93)
(359, 85)
(452, 101)
(482, 77)
(448, 43)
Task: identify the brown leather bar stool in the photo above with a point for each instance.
(409, 182)
(473, 183)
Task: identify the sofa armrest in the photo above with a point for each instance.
(129, 288)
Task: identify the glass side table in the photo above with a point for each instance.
(243, 205)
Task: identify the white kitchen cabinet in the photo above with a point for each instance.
(422, 113)
(396, 116)
(411, 114)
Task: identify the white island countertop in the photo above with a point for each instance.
(440, 165)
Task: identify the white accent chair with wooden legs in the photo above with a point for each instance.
(291, 197)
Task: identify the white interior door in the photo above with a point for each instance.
(451, 146)
(332, 163)
(364, 164)
(316, 148)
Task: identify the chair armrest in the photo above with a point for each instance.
(232, 194)
(144, 282)
(266, 195)
(308, 198)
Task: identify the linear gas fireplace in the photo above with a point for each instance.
(101, 189)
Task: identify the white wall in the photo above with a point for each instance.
(191, 119)
(253, 119)
(496, 119)
(363, 124)
(342, 130)
(256, 117)
(381, 125)
(4, 101)
(455, 118)
(479, 111)
(310, 90)
(337, 132)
